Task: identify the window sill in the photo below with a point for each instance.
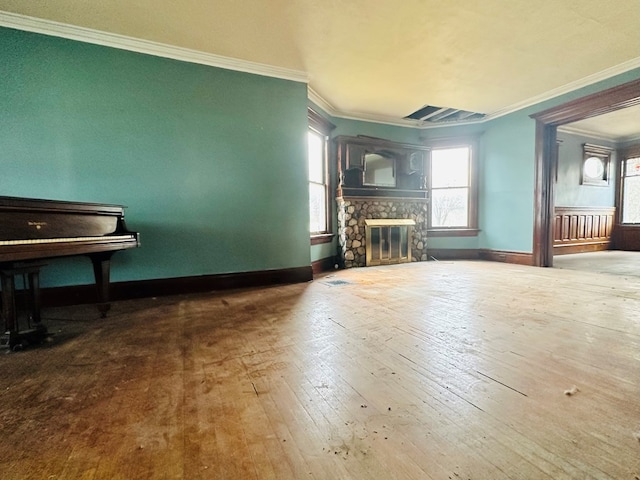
(453, 232)
(322, 238)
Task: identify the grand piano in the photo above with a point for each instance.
(34, 230)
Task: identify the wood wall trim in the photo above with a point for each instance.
(606, 101)
(322, 238)
(324, 265)
(626, 237)
(582, 229)
(520, 258)
(581, 248)
(505, 256)
(453, 254)
(80, 294)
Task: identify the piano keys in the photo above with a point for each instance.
(33, 230)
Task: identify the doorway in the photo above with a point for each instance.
(547, 122)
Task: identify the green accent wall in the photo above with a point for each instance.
(211, 163)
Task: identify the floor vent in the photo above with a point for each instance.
(335, 283)
(432, 114)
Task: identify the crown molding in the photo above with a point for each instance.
(585, 133)
(569, 87)
(597, 135)
(122, 42)
(320, 101)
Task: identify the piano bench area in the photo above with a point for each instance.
(34, 230)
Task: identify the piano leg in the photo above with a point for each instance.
(8, 300)
(101, 268)
(34, 294)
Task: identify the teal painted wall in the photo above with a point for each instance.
(507, 185)
(210, 162)
(508, 172)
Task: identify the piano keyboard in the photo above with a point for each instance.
(31, 241)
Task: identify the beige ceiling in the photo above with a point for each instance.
(387, 58)
(619, 126)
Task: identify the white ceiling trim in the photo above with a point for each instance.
(585, 133)
(569, 87)
(87, 35)
(596, 135)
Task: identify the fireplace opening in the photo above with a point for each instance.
(388, 241)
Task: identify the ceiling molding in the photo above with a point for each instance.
(585, 133)
(320, 102)
(597, 135)
(87, 35)
(569, 87)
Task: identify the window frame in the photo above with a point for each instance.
(471, 229)
(322, 127)
(626, 154)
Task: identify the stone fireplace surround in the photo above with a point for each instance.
(352, 212)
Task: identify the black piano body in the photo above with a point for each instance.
(34, 230)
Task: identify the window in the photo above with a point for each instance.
(631, 190)
(319, 199)
(595, 164)
(318, 222)
(453, 186)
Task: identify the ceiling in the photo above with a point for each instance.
(382, 60)
(619, 126)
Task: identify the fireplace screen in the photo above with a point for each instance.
(388, 241)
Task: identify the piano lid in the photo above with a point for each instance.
(29, 218)
(63, 206)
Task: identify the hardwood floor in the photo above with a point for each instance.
(615, 262)
(437, 370)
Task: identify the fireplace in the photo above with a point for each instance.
(388, 241)
(357, 216)
(382, 202)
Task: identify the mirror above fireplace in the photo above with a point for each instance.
(379, 170)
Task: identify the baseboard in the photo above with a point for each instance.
(323, 265)
(577, 248)
(453, 254)
(519, 258)
(480, 254)
(79, 294)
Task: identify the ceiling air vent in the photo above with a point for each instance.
(432, 114)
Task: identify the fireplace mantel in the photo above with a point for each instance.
(374, 167)
(388, 222)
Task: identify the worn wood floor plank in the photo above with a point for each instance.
(438, 370)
